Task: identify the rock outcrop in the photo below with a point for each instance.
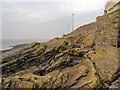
(85, 58)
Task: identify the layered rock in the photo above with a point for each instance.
(77, 60)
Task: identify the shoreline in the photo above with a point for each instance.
(13, 49)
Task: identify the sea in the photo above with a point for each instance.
(7, 44)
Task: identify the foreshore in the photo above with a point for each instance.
(12, 50)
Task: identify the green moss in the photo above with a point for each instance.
(9, 63)
(6, 82)
(41, 81)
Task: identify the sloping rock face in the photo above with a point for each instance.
(74, 61)
(108, 28)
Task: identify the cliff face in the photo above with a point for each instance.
(85, 58)
(107, 28)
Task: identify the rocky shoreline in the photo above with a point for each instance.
(87, 58)
(13, 49)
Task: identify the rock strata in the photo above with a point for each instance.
(85, 58)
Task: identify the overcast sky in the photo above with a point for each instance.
(46, 19)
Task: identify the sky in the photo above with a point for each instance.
(45, 19)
